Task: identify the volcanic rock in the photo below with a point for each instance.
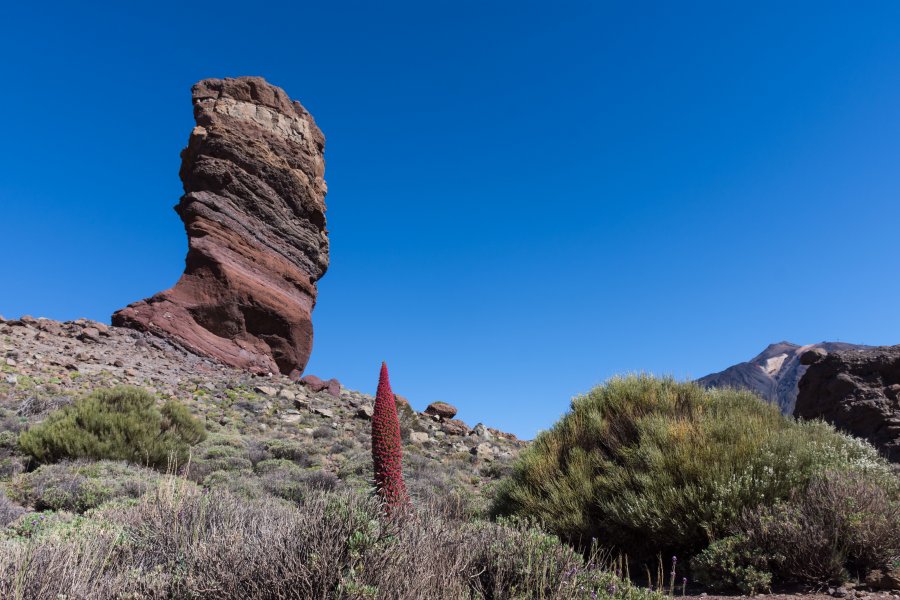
(855, 391)
(455, 427)
(774, 373)
(441, 409)
(316, 385)
(254, 212)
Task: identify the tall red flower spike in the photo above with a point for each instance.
(387, 452)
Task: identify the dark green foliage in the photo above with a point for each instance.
(650, 465)
(731, 564)
(120, 423)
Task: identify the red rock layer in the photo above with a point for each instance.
(254, 212)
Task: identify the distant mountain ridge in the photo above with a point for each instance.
(774, 373)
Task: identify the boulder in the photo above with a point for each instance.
(365, 412)
(254, 212)
(418, 437)
(481, 431)
(855, 391)
(316, 385)
(455, 427)
(324, 412)
(483, 451)
(441, 409)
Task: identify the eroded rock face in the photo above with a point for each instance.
(858, 391)
(254, 212)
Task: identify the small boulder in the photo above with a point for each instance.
(51, 327)
(324, 412)
(481, 431)
(89, 334)
(455, 427)
(301, 403)
(265, 390)
(286, 394)
(483, 451)
(364, 412)
(418, 437)
(316, 385)
(441, 409)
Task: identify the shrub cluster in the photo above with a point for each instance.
(647, 465)
(120, 423)
(183, 542)
(81, 485)
(841, 525)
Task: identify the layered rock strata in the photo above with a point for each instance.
(254, 212)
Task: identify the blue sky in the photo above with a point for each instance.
(524, 198)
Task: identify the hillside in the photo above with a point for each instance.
(251, 419)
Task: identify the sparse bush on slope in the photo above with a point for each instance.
(120, 423)
(649, 465)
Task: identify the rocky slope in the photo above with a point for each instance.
(251, 419)
(773, 374)
(254, 211)
(858, 391)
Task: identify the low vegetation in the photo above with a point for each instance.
(274, 502)
(180, 541)
(120, 423)
(648, 466)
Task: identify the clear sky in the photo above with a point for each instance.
(524, 198)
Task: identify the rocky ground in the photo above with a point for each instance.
(252, 420)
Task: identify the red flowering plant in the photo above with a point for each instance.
(387, 453)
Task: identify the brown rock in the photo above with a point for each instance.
(316, 385)
(811, 357)
(365, 412)
(254, 212)
(855, 391)
(51, 327)
(441, 409)
(90, 334)
(455, 427)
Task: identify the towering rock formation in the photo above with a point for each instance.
(254, 212)
(858, 391)
(773, 374)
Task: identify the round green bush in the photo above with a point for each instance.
(121, 423)
(647, 465)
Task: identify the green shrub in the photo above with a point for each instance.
(649, 465)
(840, 525)
(121, 423)
(730, 564)
(80, 486)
